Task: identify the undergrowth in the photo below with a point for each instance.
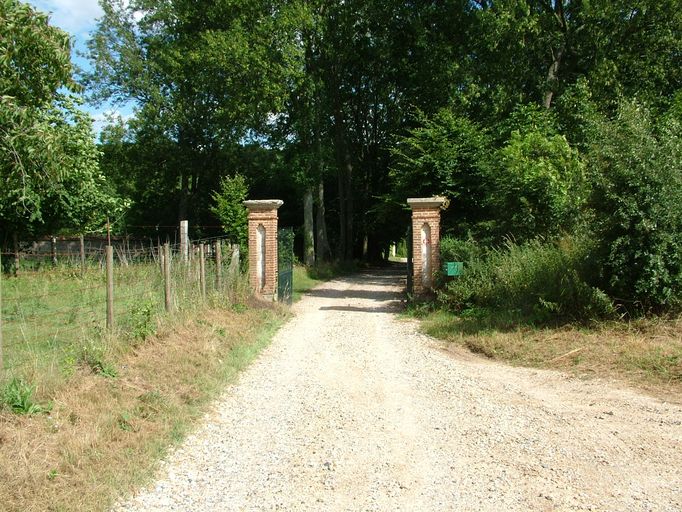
(536, 283)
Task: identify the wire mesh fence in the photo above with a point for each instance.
(51, 311)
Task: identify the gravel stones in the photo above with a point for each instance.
(351, 408)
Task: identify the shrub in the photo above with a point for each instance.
(538, 185)
(456, 249)
(229, 209)
(636, 168)
(536, 281)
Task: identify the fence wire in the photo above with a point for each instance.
(51, 312)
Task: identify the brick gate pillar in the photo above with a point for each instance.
(425, 241)
(263, 246)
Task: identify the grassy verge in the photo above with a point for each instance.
(55, 319)
(646, 354)
(104, 434)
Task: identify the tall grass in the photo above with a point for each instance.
(537, 282)
(55, 320)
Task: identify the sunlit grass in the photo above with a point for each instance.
(646, 353)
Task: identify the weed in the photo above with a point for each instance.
(18, 396)
(143, 321)
(538, 282)
(239, 308)
(93, 355)
(125, 422)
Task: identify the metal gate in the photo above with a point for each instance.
(410, 277)
(285, 264)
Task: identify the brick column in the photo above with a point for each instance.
(425, 241)
(263, 246)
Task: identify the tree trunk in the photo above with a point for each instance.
(339, 146)
(308, 229)
(322, 243)
(349, 204)
(184, 197)
(553, 76)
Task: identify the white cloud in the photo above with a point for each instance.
(74, 16)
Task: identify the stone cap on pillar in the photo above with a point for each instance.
(263, 204)
(426, 202)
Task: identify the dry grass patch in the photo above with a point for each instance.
(104, 434)
(646, 354)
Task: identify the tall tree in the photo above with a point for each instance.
(48, 159)
(203, 74)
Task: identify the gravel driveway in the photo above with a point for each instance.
(351, 408)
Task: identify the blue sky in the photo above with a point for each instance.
(78, 18)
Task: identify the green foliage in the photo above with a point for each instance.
(48, 160)
(206, 76)
(538, 185)
(636, 167)
(458, 249)
(143, 320)
(536, 281)
(93, 355)
(230, 210)
(445, 155)
(17, 395)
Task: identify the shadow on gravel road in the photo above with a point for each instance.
(389, 277)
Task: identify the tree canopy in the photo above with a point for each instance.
(48, 158)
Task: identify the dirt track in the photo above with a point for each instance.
(351, 409)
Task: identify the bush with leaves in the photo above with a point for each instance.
(230, 210)
(636, 168)
(536, 281)
(445, 155)
(48, 158)
(538, 185)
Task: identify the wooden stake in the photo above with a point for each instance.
(82, 241)
(202, 270)
(184, 240)
(218, 266)
(110, 287)
(15, 237)
(54, 251)
(166, 276)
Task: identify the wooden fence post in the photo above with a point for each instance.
(218, 265)
(82, 243)
(166, 276)
(53, 245)
(160, 252)
(110, 287)
(15, 237)
(184, 240)
(234, 261)
(202, 270)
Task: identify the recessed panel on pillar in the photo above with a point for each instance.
(260, 251)
(427, 270)
(425, 241)
(263, 246)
